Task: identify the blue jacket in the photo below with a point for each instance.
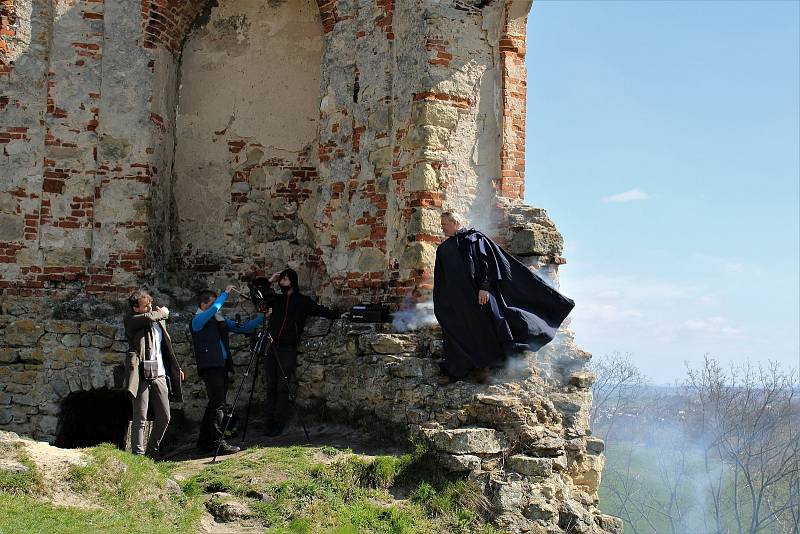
(210, 337)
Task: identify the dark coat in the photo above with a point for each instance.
(289, 314)
(139, 333)
(522, 308)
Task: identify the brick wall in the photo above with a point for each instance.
(407, 126)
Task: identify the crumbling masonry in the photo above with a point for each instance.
(184, 143)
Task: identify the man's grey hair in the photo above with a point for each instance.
(455, 217)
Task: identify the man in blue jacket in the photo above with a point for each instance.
(214, 361)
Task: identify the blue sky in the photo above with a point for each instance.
(664, 140)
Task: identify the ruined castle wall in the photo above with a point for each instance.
(327, 136)
(125, 124)
(247, 123)
(84, 107)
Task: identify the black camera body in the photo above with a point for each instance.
(262, 295)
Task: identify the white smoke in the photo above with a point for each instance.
(413, 316)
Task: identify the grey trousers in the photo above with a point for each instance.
(155, 391)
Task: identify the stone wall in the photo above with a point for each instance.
(327, 136)
(184, 143)
(523, 438)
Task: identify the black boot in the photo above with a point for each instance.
(226, 448)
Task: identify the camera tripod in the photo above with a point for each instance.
(259, 347)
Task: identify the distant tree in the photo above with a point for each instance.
(719, 455)
(747, 423)
(617, 389)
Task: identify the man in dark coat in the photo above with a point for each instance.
(150, 346)
(487, 302)
(289, 314)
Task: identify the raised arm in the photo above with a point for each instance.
(200, 320)
(144, 320)
(321, 311)
(249, 326)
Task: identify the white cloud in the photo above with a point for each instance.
(711, 326)
(627, 196)
(723, 265)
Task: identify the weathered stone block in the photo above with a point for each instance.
(540, 510)
(595, 445)
(71, 340)
(392, 343)
(530, 466)
(48, 424)
(435, 114)
(423, 178)
(8, 203)
(109, 330)
(410, 367)
(5, 415)
(469, 441)
(611, 524)
(24, 400)
(7, 465)
(23, 333)
(536, 240)
(459, 462)
(509, 496)
(12, 227)
(101, 342)
(418, 255)
(62, 327)
(8, 355)
(425, 221)
(368, 260)
(428, 137)
(583, 380)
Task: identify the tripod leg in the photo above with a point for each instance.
(253, 355)
(250, 399)
(292, 397)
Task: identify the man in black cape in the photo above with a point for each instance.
(487, 302)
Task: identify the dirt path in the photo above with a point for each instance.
(54, 464)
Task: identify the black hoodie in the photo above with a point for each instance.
(290, 311)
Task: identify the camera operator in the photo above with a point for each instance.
(212, 353)
(289, 313)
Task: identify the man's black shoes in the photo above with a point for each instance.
(224, 447)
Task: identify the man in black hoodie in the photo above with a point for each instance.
(289, 314)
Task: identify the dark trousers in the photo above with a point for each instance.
(277, 412)
(216, 381)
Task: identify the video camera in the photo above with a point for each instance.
(262, 295)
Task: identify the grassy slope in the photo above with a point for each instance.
(290, 489)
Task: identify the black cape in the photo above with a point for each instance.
(522, 307)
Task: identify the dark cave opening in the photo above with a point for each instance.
(89, 418)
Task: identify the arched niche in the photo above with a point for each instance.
(246, 154)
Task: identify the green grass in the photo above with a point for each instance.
(25, 483)
(290, 490)
(351, 494)
(129, 490)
